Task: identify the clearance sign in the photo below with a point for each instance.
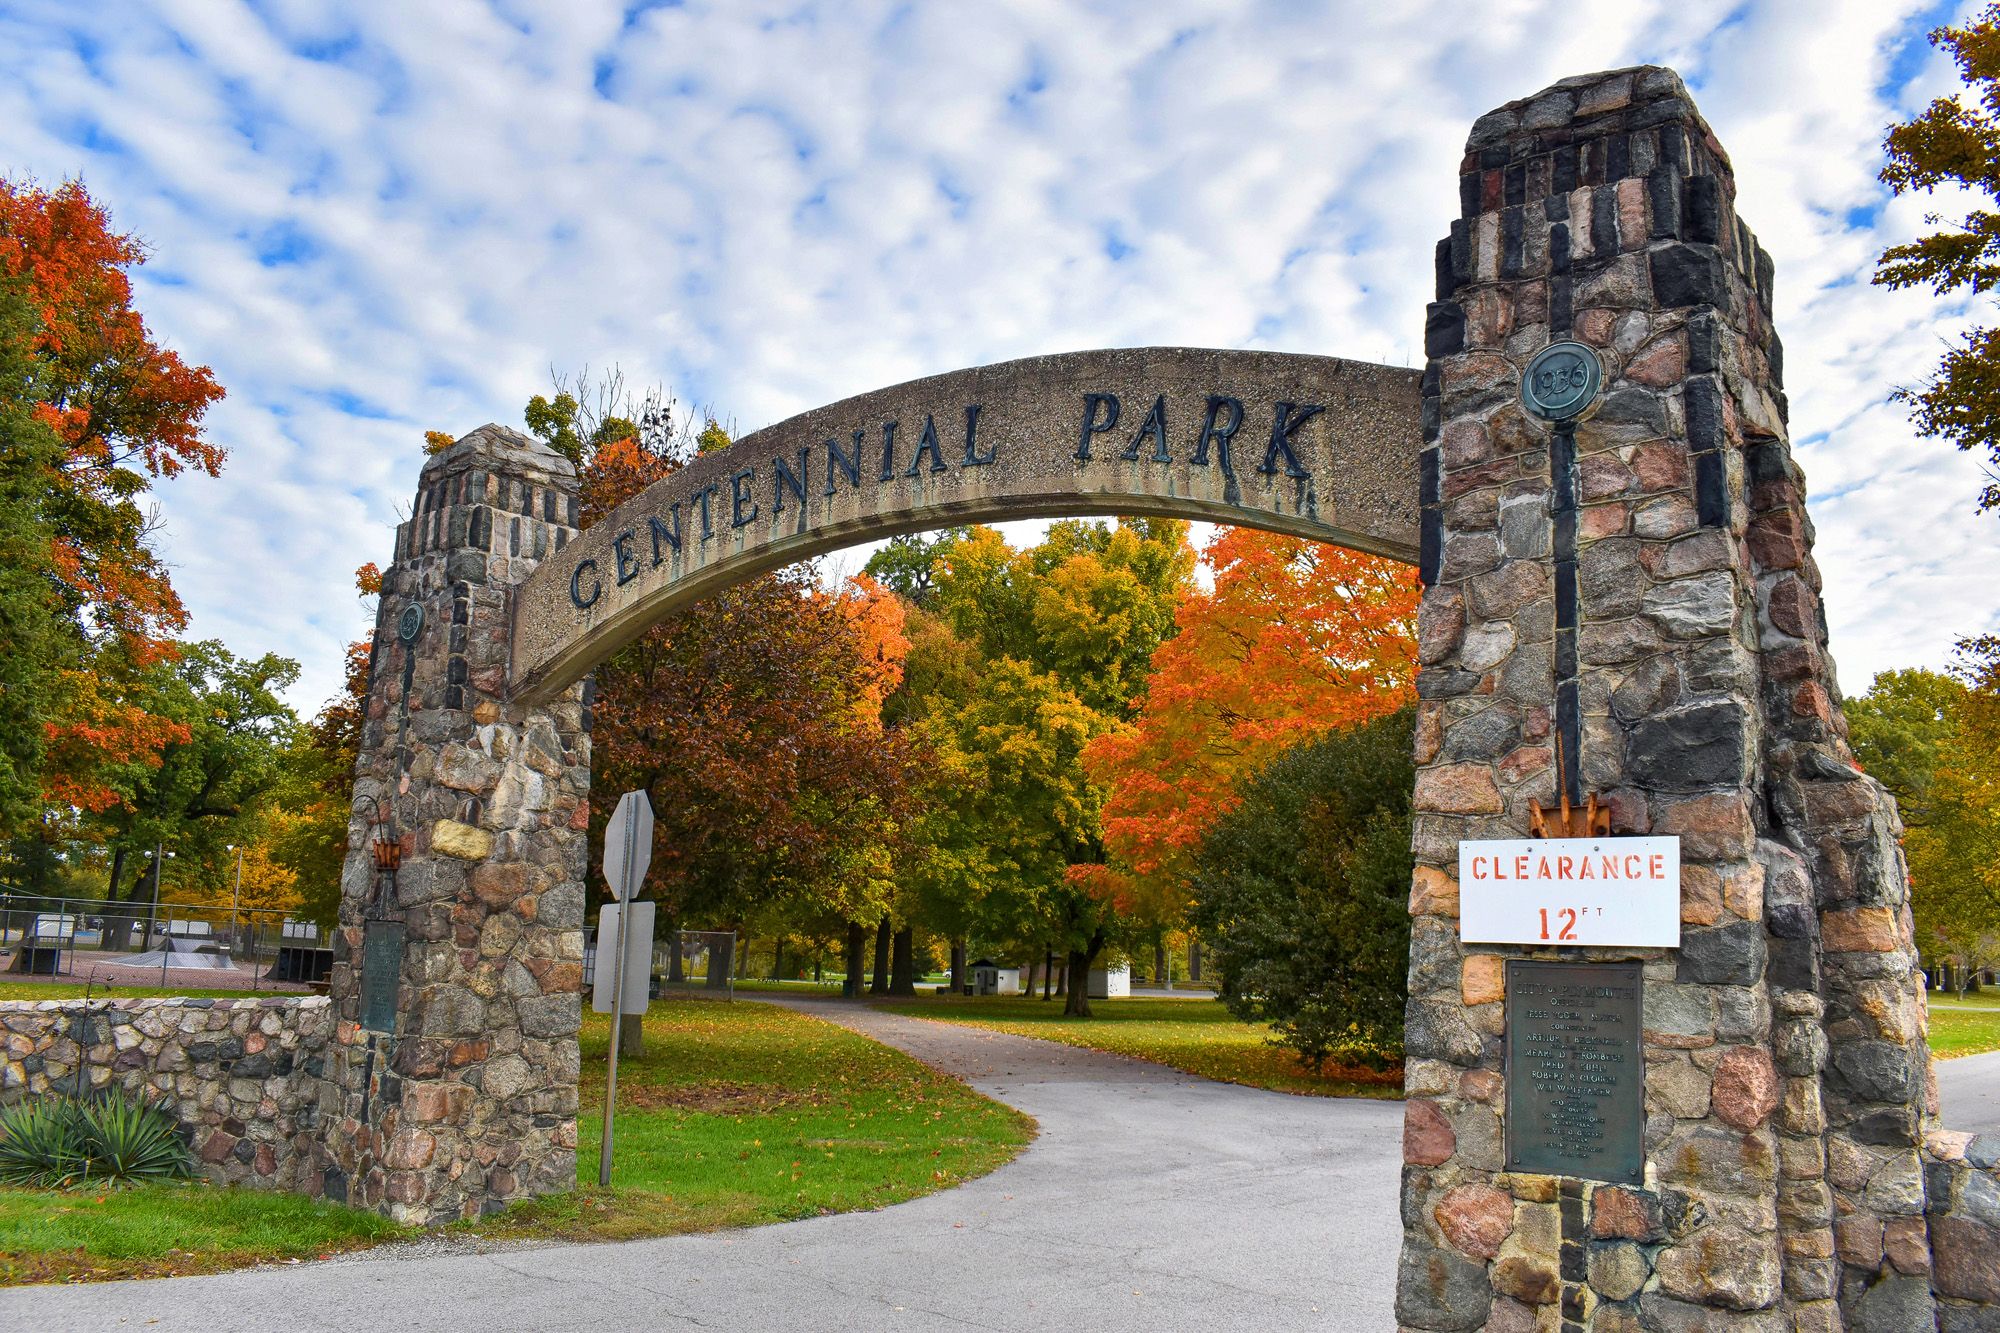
(1619, 891)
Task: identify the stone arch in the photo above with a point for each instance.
(1641, 586)
(1313, 446)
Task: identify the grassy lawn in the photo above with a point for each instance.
(42, 990)
(737, 1114)
(1197, 1036)
(88, 1235)
(743, 1113)
(1969, 1030)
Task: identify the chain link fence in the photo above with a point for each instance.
(212, 945)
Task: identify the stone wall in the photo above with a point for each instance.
(244, 1076)
(1784, 1040)
(467, 1100)
(1962, 1211)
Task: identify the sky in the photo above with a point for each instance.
(374, 218)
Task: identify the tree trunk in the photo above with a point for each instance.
(1078, 1004)
(1194, 958)
(958, 967)
(676, 974)
(1161, 977)
(857, 950)
(903, 962)
(742, 957)
(817, 978)
(1049, 974)
(778, 959)
(879, 984)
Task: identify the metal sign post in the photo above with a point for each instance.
(628, 851)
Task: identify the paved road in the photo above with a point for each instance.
(1152, 1200)
(1969, 1093)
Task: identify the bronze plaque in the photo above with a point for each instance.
(381, 974)
(1576, 1076)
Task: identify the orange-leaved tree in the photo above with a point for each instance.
(1292, 639)
(754, 720)
(126, 411)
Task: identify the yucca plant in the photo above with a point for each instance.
(112, 1135)
(131, 1139)
(42, 1143)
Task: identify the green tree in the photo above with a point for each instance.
(1301, 893)
(1953, 143)
(907, 565)
(1019, 659)
(1898, 730)
(38, 641)
(198, 796)
(1934, 741)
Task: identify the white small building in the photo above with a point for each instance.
(989, 978)
(1111, 983)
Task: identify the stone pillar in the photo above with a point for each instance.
(469, 1101)
(1784, 1040)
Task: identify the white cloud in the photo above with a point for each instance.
(375, 218)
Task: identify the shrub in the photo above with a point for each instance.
(62, 1140)
(1301, 893)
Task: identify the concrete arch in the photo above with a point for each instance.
(1313, 446)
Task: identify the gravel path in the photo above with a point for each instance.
(1151, 1200)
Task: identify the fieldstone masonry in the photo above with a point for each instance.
(1794, 1177)
(1787, 1090)
(470, 1102)
(242, 1076)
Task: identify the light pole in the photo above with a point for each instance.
(236, 893)
(153, 918)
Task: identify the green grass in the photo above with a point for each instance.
(735, 1115)
(91, 1235)
(1197, 1036)
(740, 1114)
(1972, 1030)
(43, 990)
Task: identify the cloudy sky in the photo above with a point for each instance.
(377, 217)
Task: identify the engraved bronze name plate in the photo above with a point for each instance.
(381, 974)
(1576, 1076)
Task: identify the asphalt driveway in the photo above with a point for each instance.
(1151, 1200)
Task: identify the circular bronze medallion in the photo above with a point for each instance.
(410, 623)
(1561, 381)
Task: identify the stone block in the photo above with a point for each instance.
(1442, 1292)
(1458, 789)
(1745, 1091)
(1428, 1139)
(1483, 979)
(451, 838)
(1477, 1219)
(1619, 1212)
(1721, 1266)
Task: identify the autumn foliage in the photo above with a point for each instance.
(126, 408)
(1293, 639)
(124, 411)
(754, 720)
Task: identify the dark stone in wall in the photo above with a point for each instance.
(1444, 329)
(1731, 955)
(1689, 749)
(1442, 1292)
(1685, 275)
(1876, 1071)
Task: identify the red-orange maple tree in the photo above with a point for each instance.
(1293, 639)
(753, 717)
(127, 411)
